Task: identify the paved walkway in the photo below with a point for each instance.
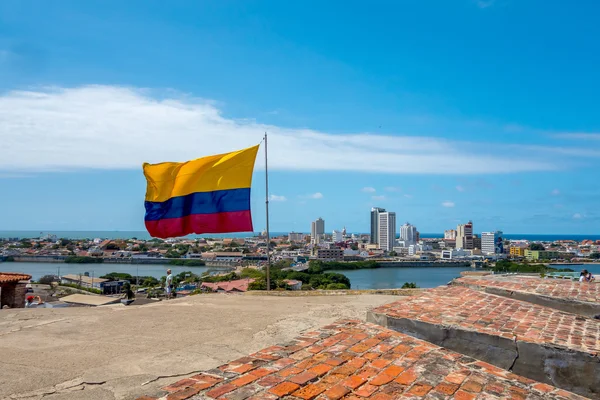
(354, 360)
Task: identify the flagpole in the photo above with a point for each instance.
(267, 210)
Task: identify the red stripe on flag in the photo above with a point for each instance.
(225, 222)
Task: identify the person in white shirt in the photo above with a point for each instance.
(169, 284)
(586, 276)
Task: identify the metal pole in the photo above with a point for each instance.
(267, 210)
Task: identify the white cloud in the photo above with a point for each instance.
(460, 188)
(378, 198)
(368, 189)
(316, 196)
(392, 189)
(448, 204)
(555, 192)
(577, 216)
(408, 196)
(578, 136)
(110, 127)
(274, 197)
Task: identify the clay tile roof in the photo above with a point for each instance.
(9, 277)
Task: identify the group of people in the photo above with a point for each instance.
(586, 276)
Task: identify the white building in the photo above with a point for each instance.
(455, 253)
(450, 234)
(317, 230)
(408, 233)
(375, 211)
(296, 237)
(387, 230)
(464, 236)
(489, 243)
(337, 237)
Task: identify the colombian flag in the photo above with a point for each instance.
(206, 195)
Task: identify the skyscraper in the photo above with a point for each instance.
(492, 242)
(408, 233)
(464, 236)
(387, 230)
(317, 230)
(375, 224)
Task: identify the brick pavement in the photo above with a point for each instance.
(560, 288)
(353, 360)
(528, 338)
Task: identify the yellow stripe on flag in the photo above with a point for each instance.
(219, 172)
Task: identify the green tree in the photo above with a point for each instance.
(409, 285)
(536, 246)
(393, 253)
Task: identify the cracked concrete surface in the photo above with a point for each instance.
(118, 352)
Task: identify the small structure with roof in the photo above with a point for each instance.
(13, 289)
(240, 285)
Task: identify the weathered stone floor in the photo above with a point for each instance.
(354, 360)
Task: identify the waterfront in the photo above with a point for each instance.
(37, 270)
(377, 278)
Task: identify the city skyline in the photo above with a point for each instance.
(444, 116)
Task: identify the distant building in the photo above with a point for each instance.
(409, 234)
(450, 234)
(330, 254)
(84, 281)
(375, 211)
(540, 254)
(476, 242)
(317, 230)
(455, 253)
(240, 285)
(492, 242)
(296, 237)
(387, 230)
(516, 251)
(337, 236)
(464, 236)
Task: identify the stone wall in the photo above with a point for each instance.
(13, 294)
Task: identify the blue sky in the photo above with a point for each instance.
(442, 111)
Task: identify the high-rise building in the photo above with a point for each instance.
(450, 234)
(317, 230)
(464, 236)
(409, 234)
(387, 230)
(337, 236)
(492, 242)
(375, 224)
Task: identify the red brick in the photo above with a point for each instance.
(242, 369)
(472, 386)
(353, 382)
(457, 378)
(284, 389)
(320, 369)
(315, 349)
(146, 398)
(420, 389)
(183, 394)
(270, 380)
(334, 361)
(542, 387)
(381, 379)
(371, 356)
(381, 363)
(260, 372)
(303, 378)
(407, 377)
(381, 396)
(332, 379)
(345, 370)
(357, 362)
(336, 392)
(221, 390)
(446, 388)
(311, 391)
(282, 363)
(244, 380)
(366, 390)
(290, 371)
(460, 395)
(368, 372)
(393, 370)
(184, 383)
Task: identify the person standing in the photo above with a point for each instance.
(169, 284)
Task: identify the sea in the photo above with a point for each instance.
(143, 235)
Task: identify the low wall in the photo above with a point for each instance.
(299, 293)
